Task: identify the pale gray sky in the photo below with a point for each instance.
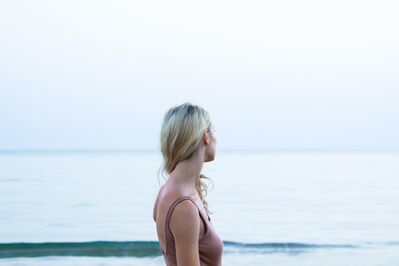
(272, 74)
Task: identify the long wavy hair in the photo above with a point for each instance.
(181, 136)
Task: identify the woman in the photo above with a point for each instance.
(185, 232)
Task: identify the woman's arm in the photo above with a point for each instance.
(185, 226)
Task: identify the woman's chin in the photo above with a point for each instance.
(210, 158)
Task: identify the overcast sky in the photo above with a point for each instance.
(272, 74)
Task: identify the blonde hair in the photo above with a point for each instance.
(181, 136)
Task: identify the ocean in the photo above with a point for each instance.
(276, 208)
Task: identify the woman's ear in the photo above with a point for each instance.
(206, 138)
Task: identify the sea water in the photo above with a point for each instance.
(270, 208)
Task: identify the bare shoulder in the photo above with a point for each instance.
(185, 221)
(185, 226)
(186, 211)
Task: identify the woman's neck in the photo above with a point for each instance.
(187, 172)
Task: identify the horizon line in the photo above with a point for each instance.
(131, 150)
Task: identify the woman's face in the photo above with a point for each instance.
(210, 148)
